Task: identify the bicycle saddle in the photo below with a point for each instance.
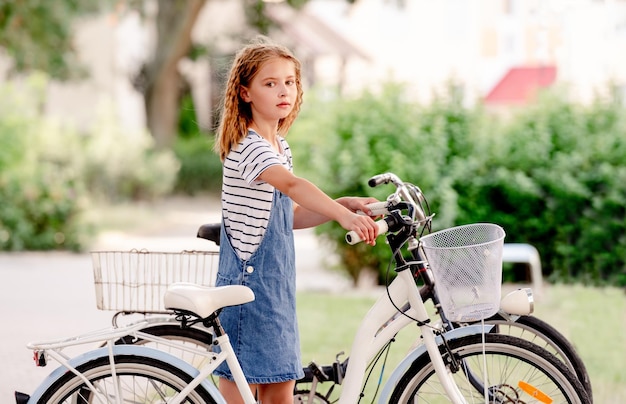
(205, 300)
(210, 231)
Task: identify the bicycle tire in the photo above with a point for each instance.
(158, 380)
(508, 360)
(543, 334)
(195, 337)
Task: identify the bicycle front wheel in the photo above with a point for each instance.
(543, 334)
(505, 368)
(138, 379)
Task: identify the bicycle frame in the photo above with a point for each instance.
(378, 327)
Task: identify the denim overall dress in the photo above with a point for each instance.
(264, 332)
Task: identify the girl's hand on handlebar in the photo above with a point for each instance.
(358, 204)
(364, 226)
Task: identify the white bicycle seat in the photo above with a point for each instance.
(205, 300)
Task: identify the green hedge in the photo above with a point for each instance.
(49, 173)
(40, 203)
(200, 167)
(559, 182)
(552, 174)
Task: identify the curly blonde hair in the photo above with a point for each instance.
(236, 114)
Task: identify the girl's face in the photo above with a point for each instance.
(273, 91)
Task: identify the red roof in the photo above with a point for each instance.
(520, 85)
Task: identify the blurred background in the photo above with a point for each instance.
(502, 111)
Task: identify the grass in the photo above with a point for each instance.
(593, 319)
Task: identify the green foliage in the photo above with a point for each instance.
(345, 143)
(200, 169)
(552, 175)
(37, 34)
(561, 187)
(187, 124)
(40, 202)
(256, 16)
(48, 173)
(41, 211)
(348, 141)
(118, 165)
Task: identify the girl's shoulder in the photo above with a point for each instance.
(251, 137)
(253, 149)
(251, 140)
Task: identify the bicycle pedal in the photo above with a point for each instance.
(318, 372)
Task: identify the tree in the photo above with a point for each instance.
(163, 84)
(174, 21)
(37, 35)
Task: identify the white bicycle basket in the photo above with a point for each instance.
(136, 280)
(466, 263)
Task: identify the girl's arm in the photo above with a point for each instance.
(315, 207)
(305, 218)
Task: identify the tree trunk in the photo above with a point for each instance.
(174, 23)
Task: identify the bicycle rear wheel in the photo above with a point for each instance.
(139, 379)
(517, 371)
(191, 337)
(543, 334)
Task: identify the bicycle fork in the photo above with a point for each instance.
(454, 365)
(443, 372)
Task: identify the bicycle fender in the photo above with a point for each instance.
(421, 350)
(124, 350)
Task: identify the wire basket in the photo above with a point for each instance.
(136, 281)
(466, 263)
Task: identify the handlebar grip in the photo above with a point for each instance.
(352, 238)
(377, 208)
(377, 180)
(384, 179)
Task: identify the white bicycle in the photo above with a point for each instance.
(461, 365)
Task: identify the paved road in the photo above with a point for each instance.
(51, 295)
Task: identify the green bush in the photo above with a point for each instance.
(552, 174)
(41, 212)
(49, 172)
(119, 165)
(41, 203)
(187, 123)
(200, 167)
(559, 184)
(348, 141)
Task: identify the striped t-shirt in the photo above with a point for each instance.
(247, 201)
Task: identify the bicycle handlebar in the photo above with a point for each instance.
(408, 193)
(377, 208)
(353, 238)
(384, 179)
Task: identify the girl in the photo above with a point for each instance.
(262, 202)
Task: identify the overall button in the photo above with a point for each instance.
(250, 270)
